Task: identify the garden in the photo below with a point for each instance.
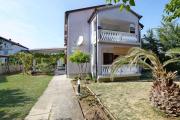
(129, 100)
(155, 98)
(18, 93)
(20, 90)
(36, 63)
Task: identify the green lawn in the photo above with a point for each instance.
(128, 100)
(18, 93)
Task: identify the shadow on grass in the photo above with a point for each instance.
(3, 79)
(11, 98)
(5, 116)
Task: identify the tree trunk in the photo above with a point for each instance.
(165, 95)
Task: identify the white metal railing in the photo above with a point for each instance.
(116, 36)
(124, 70)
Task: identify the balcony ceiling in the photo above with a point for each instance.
(115, 22)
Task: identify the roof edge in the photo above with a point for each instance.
(18, 44)
(86, 8)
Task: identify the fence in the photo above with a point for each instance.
(10, 69)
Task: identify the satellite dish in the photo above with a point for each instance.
(80, 41)
(94, 41)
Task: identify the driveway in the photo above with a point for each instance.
(58, 102)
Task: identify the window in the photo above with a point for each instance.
(5, 52)
(108, 58)
(132, 28)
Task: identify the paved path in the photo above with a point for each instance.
(58, 102)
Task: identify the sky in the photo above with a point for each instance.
(40, 23)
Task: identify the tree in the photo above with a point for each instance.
(81, 59)
(172, 10)
(123, 3)
(174, 52)
(151, 42)
(164, 94)
(25, 59)
(169, 35)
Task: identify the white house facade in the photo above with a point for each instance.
(105, 33)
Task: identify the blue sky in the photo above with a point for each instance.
(40, 23)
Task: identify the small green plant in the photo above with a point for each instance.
(88, 77)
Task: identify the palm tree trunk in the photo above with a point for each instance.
(165, 95)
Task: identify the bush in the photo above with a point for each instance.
(24, 59)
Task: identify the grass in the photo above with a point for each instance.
(18, 93)
(128, 100)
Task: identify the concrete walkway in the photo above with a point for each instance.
(58, 102)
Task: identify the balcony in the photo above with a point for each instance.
(123, 71)
(117, 37)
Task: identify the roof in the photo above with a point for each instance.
(49, 50)
(9, 40)
(86, 8)
(142, 26)
(101, 6)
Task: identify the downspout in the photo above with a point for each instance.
(139, 32)
(66, 33)
(96, 45)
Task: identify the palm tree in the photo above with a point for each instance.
(165, 94)
(174, 52)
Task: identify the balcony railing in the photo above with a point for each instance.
(124, 70)
(117, 37)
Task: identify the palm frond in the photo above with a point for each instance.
(136, 56)
(171, 61)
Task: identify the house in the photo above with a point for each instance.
(105, 33)
(60, 63)
(9, 47)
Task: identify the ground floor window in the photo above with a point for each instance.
(108, 58)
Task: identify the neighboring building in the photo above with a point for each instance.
(105, 33)
(60, 63)
(8, 47)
